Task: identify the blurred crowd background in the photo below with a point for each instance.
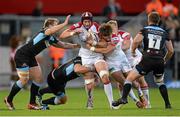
(21, 19)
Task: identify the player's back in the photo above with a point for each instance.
(65, 72)
(117, 53)
(154, 41)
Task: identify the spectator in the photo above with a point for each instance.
(169, 9)
(56, 54)
(37, 11)
(112, 10)
(154, 5)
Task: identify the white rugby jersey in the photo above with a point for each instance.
(117, 53)
(126, 36)
(83, 52)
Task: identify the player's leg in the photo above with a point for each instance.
(133, 75)
(145, 90)
(89, 81)
(159, 79)
(45, 90)
(60, 98)
(89, 87)
(102, 69)
(36, 75)
(119, 77)
(23, 74)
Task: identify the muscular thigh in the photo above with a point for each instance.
(36, 74)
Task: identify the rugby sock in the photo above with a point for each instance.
(44, 90)
(34, 91)
(133, 96)
(146, 94)
(108, 91)
(164, 94)
(50, 101)
(126, 89)
(89, 92)
(140, 93)
(15, 89)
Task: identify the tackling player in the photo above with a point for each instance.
(27, 65)
(57, 80)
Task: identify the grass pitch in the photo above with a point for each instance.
(76, 103)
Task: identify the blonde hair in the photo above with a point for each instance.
(50, 21)
(112, 22)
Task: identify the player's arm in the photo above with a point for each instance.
(68, 33)
(56, 28)
(105, 50)
(136, 42)
(170, 50)
(65, 45)
(100, 44)
(79, 68)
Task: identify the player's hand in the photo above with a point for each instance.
(67, 20)
(88, 46)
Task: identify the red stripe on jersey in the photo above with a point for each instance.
(114, 40)
(96, 25)
(75, 26)
(128, 37)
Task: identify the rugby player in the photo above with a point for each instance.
(126, 45)
(154, 39)
(57, 80)
(89, 58)
(27, 65)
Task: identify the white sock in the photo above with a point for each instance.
(140, 93)
(133, 96)
(146, 94)
(108, 92)
(89, 92)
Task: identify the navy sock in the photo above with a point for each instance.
(45, 90)
(49, 101)
(164, 94)
(34, 91)
(15, 89)
(126, 90)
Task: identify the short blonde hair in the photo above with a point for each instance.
(112, 22)
(50, 21)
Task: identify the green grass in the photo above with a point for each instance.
(77, 100)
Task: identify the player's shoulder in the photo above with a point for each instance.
(75, 26)
(96, 24)
(123, 33)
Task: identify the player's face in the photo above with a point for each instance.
(106, 38)
(87, 23)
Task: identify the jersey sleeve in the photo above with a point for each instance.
(53, 40)
(75, 26)
(114, 40)
(77, 60)
(126, 36)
